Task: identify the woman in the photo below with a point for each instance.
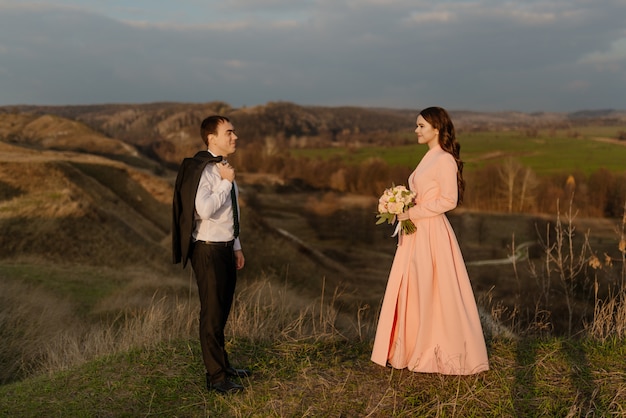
(429, 321)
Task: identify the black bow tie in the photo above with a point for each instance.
(208, 157)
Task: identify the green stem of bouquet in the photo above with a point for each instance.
(407, 227)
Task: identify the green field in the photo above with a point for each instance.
(553, 152)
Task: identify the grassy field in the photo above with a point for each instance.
(329, 378)
(304, 368)
(548, 152)
(309, 359)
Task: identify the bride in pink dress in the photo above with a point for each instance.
(429, 320)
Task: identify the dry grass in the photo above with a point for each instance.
(44, 334)
(305, 362)
(139, 346)
(609, 316)
(45, 330)
(30, 320)
(323, 374)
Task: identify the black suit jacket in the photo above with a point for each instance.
(184, 203)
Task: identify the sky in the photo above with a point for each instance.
(480, 55)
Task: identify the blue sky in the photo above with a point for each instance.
(484, 55)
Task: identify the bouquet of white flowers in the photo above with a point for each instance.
(394, 201)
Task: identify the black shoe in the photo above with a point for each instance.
(231, 371)
(225, 386)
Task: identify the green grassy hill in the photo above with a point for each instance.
(324, 375)
(547, 153)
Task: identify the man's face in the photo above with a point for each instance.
(224, 142)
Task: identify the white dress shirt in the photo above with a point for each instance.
(214, 211)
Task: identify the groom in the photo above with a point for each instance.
(205, 230)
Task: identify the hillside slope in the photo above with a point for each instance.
(80, 208)
(327, 376)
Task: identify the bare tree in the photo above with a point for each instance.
(508, 172)
(563, 261)
(529, 183)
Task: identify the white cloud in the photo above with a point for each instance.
(613, 59)
(431, 17)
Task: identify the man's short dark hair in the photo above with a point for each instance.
(209, 126)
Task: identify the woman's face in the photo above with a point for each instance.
(426, 134)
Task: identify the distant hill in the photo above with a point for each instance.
(166, 132)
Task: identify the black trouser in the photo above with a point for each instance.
(216, 275)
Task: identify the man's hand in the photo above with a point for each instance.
(239, 259)
(226, 171)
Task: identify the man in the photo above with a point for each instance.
(205, 230)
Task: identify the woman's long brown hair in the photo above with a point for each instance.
(439, 119)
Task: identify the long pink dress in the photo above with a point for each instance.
(429, 320)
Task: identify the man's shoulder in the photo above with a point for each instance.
(202, 157)
(188, 165)
(199, 159)
(188, 161)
